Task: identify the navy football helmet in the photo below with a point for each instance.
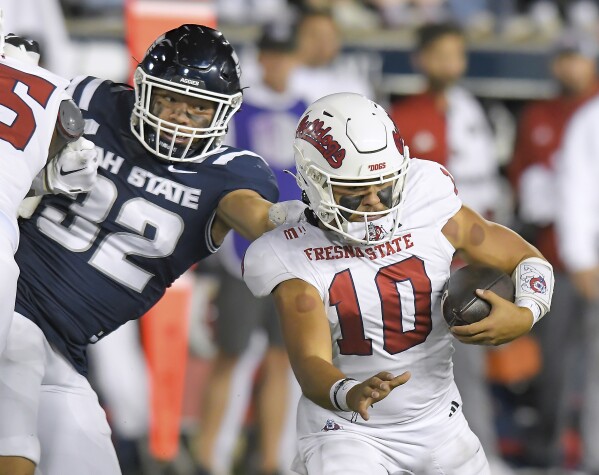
(194, 61)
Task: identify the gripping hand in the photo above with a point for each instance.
(73, 170)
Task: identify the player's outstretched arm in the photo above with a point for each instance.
(489, 243)
(246, 212)
(250, 215)
(308, 341)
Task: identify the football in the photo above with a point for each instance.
(459, 302)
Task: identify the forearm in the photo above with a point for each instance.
(246, 212)
(308, 339)
(316, 376)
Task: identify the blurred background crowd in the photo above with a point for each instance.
(504, 93)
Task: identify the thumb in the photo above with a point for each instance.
(488, 295)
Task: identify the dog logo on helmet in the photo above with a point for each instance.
(315, 133)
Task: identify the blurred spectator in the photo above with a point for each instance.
(42, 21)
(252, 11)
(404, 13)
(266, 125)
(532, 172)
(577, 225)
(446, 124)
(323, 71)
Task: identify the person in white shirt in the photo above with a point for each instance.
(358, 290)
(577, 224)
(323, 70)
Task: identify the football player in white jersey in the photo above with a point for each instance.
(358, 289)
(38, 121)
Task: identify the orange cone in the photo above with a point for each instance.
(164, 331)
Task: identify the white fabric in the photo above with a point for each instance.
(9, 231)
(120, 372)
(313, 83)
(309, 253)
(440, 444)
(538, 199)
(42, 21)
(18, 168)
(578, 190)
(49, 412)
(338, 393)
(472, 156)
(8, 286)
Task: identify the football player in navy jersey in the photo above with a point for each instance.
(167, 193)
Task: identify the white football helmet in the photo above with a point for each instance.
(346, 140)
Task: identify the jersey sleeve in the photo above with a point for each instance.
(95, 94)
(248, 171)
(432, 194)
(445, 200)
(266, 264)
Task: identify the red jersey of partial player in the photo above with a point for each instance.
(540, 132)
(28, 109)
(382, 301)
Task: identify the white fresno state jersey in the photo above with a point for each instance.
(383, 302)
(28, 110)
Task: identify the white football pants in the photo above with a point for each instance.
(436, 444)
(8, 284)
(48, 411)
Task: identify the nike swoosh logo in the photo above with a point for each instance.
(175, 170)
(63, 173)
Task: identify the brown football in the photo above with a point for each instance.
(459, 302)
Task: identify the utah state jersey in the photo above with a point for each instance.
(90, 264)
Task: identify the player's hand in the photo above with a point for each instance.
(21, 48)
(505, 323)
(74, 169)
(287, 212)
(377, 388)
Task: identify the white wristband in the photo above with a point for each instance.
(533, 306)
(338, 393)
